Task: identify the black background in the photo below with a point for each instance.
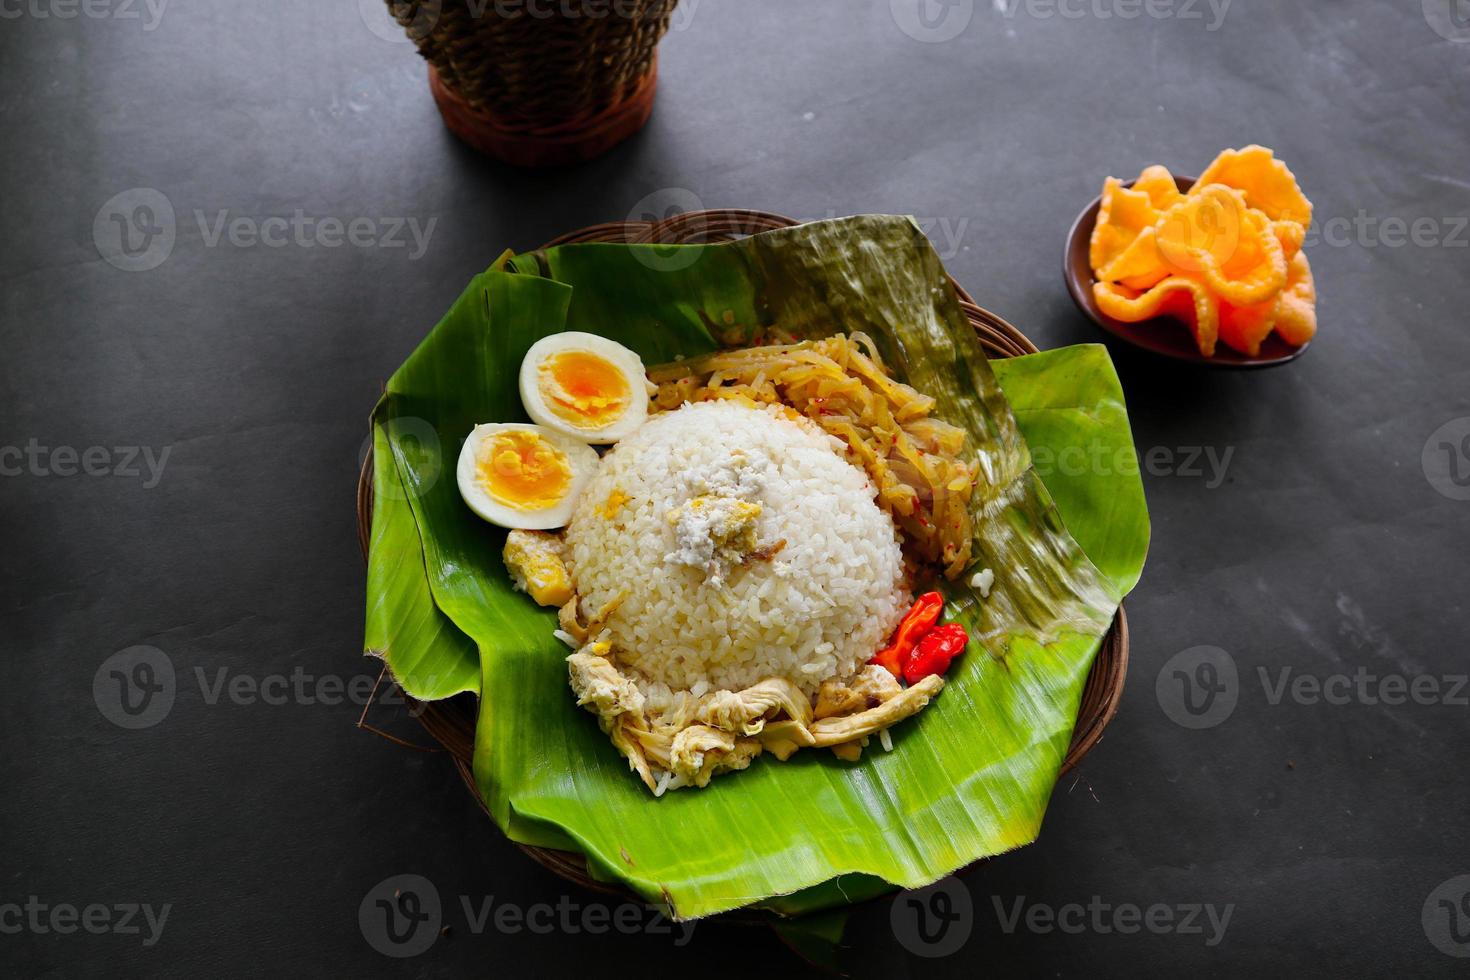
(1325, 548)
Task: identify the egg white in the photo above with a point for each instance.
(581, 458)
(627, 363)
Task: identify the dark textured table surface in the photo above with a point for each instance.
(1308, 522)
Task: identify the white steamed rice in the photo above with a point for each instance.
(820, 608)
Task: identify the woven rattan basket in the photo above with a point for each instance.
(540, 82)
(451, 723)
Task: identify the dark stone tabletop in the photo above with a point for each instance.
(180, 434)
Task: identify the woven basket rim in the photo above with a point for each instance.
(451, 722)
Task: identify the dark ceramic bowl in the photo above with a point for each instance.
(1161, 335)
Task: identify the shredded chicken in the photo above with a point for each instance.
(571, 624)
(700, 751)
(724, 730)
(746, 711)
(598, 683)
(910, 701)
(867, 690)
(784, 737)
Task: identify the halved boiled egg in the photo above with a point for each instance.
(523, 476)
(585, 386)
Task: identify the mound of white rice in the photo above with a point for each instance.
(820, 608)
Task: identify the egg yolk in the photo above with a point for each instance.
(522, 470)
(584, 389)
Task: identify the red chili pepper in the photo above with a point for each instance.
(919, 620)
(934, 652)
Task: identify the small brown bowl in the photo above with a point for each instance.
(1161, 335)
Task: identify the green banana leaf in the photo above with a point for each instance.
(969, 777)
(1062, 398)
(1069, 405)
(427, 654)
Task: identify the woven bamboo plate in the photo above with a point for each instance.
(451, 723)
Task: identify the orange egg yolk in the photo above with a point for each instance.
(584, 389)
(522, 470)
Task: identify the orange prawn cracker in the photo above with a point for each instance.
(1292, 313)
(1123, 214)
(1162, 190)
(1269, 185)
(1138, 266)
(1178, 296)
(1225, 258)
(1296, 307)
